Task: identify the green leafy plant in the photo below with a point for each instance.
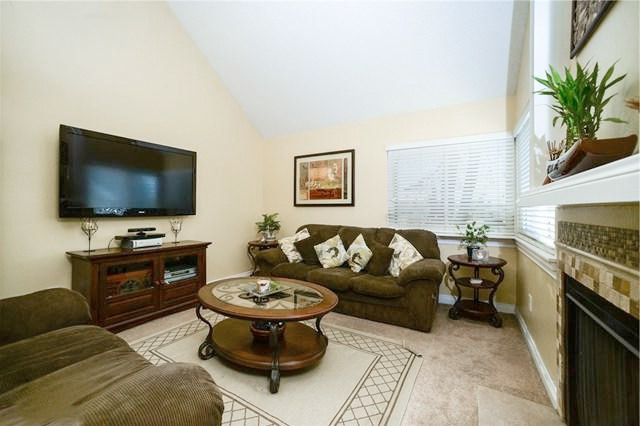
(579, 100)
(269, 223)
(473, 235)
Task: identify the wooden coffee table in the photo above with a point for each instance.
(262, 332)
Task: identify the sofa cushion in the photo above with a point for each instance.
(40, 312)
(404, 254)
(63, 394)
(331, 253)
(349, 233)
(385, 287)
(424, 241)
(380, 259)
(297, 271)
(307, 250)
(29, 359)
(337, 279)
(289, 249)
(359, 254)
(325, 231)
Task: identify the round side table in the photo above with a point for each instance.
(474, 308)
(257, 245)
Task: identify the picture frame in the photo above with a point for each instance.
(325, 179)
(585, 17)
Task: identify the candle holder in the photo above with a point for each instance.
(89, 226)
(176, 227)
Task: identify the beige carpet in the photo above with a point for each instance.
(362, 379)
(497, 408)
(459, 357)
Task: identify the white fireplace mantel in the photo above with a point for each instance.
(616, 182)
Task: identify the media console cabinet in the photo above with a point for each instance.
(126, 287)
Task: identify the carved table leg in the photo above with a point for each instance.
(252, 257)
(495, 320)
(454, 313)
(318, 329)
(206, 350)
(274, 376)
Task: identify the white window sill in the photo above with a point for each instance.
(447, 240)
(545, 259)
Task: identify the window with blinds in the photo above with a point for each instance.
(536, 223)
(441, 184)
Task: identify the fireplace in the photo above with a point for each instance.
(601, 345)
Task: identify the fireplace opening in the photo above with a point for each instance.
(602, 360)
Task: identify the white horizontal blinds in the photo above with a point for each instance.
(443, 184)
(523, 159)
(538, 223)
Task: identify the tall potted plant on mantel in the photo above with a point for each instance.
(268, 227)
(579, 103)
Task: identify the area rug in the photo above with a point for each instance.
(362, 379)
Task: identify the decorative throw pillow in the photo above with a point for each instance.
(359, 254)
(305, 247)
(331, 253)
(289, 249)
(380, 260)
(404, 254)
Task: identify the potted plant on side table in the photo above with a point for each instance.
(473, 237)
(579, 105)
(268, 227)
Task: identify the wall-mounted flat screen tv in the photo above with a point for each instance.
(105, 175)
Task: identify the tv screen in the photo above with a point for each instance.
(105, 175)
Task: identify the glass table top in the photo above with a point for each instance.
(285, 295)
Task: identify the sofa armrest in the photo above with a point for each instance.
(425, 269)
(267, 259)
(40, 312)
(169, 394)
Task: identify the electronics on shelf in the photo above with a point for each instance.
(140, 239)
(179, 273)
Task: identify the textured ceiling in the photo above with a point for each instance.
(294, 66)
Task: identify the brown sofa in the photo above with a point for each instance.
(409, 300)
(56, 369)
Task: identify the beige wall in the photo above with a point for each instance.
(541, 319)
(616, 39)
(369, 139)
(520, 100)
(125, 69)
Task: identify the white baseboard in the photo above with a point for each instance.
(547, 381)
(238, 275)
(449, 299)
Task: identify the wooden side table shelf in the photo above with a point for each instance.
(257, 245)
(474, 308)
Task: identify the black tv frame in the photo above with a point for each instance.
(67, 212)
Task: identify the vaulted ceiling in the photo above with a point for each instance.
(294, 66)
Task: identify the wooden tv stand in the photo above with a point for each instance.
(126, 287)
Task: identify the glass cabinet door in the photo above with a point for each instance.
(180, 268)
(129, 278)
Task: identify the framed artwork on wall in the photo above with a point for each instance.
(585, 17)
(324, 179)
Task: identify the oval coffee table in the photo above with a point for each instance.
(262, 332)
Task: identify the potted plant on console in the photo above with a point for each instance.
(268, 227)
(473, 237)
(579, 106)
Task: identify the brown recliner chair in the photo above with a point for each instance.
(58, 369)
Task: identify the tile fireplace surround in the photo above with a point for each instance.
(600, 256)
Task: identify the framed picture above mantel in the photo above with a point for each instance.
(585, 17)
(324, 179)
